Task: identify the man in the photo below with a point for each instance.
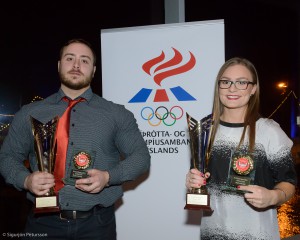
(101, 132)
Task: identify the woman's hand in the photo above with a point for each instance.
(261, 197)
(195, 179)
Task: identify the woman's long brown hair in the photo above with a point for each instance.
(252, 112)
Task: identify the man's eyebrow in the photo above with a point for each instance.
(85, 56)
(67, 54)
(81, 56)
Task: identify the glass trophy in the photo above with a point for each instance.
(81, 163)
(241, 171)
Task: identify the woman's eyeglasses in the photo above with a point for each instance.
(240, 84)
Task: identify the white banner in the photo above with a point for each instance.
(160, 73)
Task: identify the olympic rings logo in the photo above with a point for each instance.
(161, 115)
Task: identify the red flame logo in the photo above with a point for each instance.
(174, 62)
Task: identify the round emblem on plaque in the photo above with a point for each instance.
(242, 165)
(82, 160)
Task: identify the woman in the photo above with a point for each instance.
(250, 169)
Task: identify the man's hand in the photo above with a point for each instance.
(39, 183)
(96, 181)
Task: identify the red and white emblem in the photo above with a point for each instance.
(82, 160)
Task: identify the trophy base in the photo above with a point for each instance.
(78, 174)
(234, 190)
(196, 201)
(198, 207)
(46, 204)
(46, 210)
(75, 174)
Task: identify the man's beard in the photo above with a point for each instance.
(77, 85)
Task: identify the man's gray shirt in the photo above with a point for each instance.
(103, 129)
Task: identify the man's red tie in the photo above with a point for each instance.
(62, 139)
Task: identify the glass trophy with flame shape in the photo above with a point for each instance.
(199, 132)
(44, 144)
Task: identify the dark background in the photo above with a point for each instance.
(267, 33)
(32, 32)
